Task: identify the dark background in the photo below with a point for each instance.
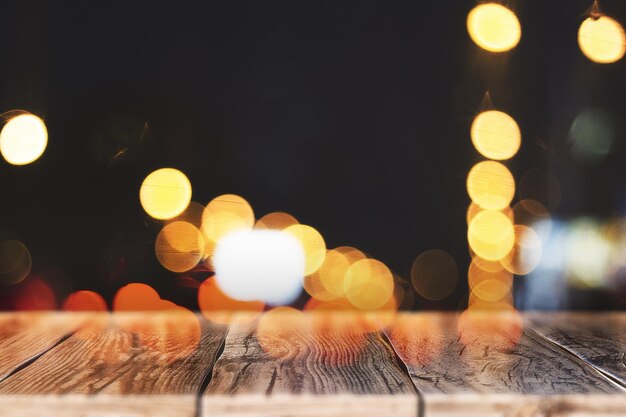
(351, 115)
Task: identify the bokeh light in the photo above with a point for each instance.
(137, 297)
(266, 265)
(493, 27)
(165, 193)
(587, 254)
(491, 185)
(35, 294)
(84, 301)
(485, 265)
(327, 283)
(276, 221)
(481, 271)
(602, 39)
(535, 215)
(526, 253)
(179, 246)
(15, 262)
(491, 235)
(495, 135)
(473, 209)
(434, 274)
(592, 135)
(223, 215)
(312, 244)
(218, 307)
(23, 139)
(368, 284)
(192, 214)
(490, 290)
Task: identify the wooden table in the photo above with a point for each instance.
(151, 364)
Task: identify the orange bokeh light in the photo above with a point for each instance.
(218, 307)
(85, 301)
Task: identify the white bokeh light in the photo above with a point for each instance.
(265, 265)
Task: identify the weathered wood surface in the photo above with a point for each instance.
(115, 362)
(325, 365)
(24, 336)
(476, 366)
(599, 339)
(164, 365)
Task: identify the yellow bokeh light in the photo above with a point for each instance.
(491, 235)
(602, 39)
(485, 265)
(313, 246)
(223, 215)
(165, 193)
(23, 139)
(179, 246)
(192, 214)
(486, 285)
(493, 27)
(276, 221)
(495, 135)
(491, 185)
(481, 270)
(327, 283)
(526, 253)
(473, 209)
(368, 284)
(434, 274)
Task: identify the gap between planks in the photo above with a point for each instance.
(121, 394)
(574, 356)
(314, 374)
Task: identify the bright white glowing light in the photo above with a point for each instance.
(264, 265)
(23, 139)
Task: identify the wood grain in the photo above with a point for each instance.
(24, 336)
(599, 339)
(330, 365)
(477, 373)
(294, 368)
(117, 358)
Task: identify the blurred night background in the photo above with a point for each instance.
(353, 116)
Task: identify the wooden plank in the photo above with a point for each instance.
(309, 365)
(24, 336)
(491, 366)
(140, 364)
(599, 339)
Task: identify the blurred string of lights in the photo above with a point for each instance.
(495, 242)
(509, 241)
(262, 264)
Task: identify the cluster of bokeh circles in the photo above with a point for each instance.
(262, 264)
(504, 240)
(258, 262)
(496, 28)
(23, 140)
